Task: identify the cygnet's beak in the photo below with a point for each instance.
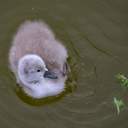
(50, 75)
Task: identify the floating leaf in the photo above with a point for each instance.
(119, 105)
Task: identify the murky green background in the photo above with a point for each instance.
(95, 33)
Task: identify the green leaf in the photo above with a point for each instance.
(119, 104)
(122, 79)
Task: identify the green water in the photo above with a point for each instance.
(95, 34)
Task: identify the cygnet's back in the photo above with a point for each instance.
(35, 37)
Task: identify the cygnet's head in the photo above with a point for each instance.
(35, 78)
(31, 69)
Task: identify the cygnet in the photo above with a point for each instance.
(38, 60)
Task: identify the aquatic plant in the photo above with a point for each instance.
(122, 79)
(119, 104)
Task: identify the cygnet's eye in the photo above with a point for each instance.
(38, 70)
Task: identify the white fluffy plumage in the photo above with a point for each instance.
(38, 60)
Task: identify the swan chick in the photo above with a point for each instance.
(38, 60)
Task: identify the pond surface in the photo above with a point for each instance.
(95, 33)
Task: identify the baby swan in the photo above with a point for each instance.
(38, 60)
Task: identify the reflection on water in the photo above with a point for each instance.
(38, 102)
(95, 34)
